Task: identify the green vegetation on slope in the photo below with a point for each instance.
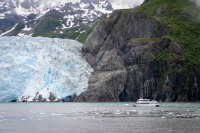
(50, 27)
(46, 27)
(17, 29)
(182, 20)
(83, 36)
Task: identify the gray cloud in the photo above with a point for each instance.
(195, 11)
(133, 2)
(197, 2)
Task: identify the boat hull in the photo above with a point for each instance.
(145, 105)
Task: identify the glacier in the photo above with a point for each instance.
(31, 65)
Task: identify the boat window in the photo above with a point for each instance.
(144, 100)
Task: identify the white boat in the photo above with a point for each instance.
(145, 103)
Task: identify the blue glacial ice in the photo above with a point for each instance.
(30, 65)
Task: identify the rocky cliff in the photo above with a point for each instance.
(151, 51)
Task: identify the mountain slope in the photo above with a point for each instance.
(182, 20)
(151, 51)
(34, 18)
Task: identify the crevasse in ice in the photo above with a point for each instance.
(30, 65)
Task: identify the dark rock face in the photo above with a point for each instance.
(9, 22)
(110, 62)
(125, 51)
(104, 87)
(69, 98)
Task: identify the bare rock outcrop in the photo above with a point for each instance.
(126, 51)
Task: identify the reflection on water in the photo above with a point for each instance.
(17, 115)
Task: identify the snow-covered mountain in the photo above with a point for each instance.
(26, 17)
(41, 69)
(54, 18)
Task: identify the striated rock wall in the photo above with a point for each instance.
(126, 52)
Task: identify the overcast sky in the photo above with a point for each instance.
(197, 2)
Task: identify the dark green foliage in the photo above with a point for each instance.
(47, 26)
(78, 33)
(181, 18)
(83, 36)
(68, 33)
(17, 29)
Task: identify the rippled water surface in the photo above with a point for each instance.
(99, 118)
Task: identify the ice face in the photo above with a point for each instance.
(29, 65)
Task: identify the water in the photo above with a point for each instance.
(99, 118)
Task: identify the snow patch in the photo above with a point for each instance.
(26, 28)
(9, 30)
(2, 16)
(83, 31)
